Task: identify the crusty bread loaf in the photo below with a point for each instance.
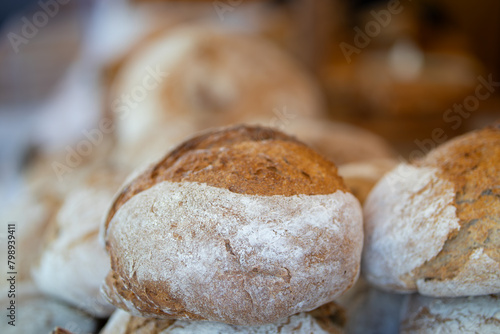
(122, 322)
(243, 225)
(73, 262)
(209, 77)
(432, 226)
(425, 315)
(193, 77)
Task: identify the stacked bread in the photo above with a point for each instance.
(432, 227)
(301, 245)
(72, 262)
(245, 229)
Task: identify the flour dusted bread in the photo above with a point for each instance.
(242, 225)
(122, 322)
(425, 315)
(73, 262)
(433, 226)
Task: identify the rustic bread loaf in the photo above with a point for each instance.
(426, 315)
(193, 77)
(73, 262)
(243, 225)
(433, 226)
(122, 322)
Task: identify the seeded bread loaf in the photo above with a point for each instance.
(242, 225)
(433, 226)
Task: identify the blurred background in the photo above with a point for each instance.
(400, 69)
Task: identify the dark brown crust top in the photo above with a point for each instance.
(245, 160)
(472, 164)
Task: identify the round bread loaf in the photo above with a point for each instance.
(192, 77)
(242, 225)
(122, 322)
(73, 262)
(434, 226)
(425, 315)
(208, 77)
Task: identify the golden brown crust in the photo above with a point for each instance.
(470, 163)
(242, 159)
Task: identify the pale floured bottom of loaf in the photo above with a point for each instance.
(74, 263)
(192, 250)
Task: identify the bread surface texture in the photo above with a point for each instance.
(433, 226)
(122, 322)
(424, 315)
(242, 225)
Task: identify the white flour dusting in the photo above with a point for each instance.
(239, 258)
